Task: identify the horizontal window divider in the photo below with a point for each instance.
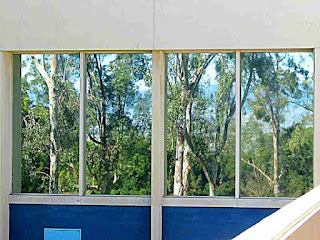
(60, 199)
(232, 202)
(168, 201)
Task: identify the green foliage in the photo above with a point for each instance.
(213, 98)
(36, 125)
(119, 123)
(282, 86)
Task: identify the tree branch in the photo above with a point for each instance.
(259, 170)
(41, 69)
(198, 74)
(94, 140)
(303, 106)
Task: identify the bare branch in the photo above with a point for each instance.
(41, 69)
(303, 106)
(43, 173)
(199, 72)
(259, 170)
(93, 139)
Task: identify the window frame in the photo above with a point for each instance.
(158, 197)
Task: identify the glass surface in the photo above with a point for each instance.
(277, 124)
(201, 124)
(119, 124)
(50, 123)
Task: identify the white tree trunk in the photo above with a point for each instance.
(187, 149)
(177, 186)
(54, 139)
(276, 189)
(54, 123)
(211, 184)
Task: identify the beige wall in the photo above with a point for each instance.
(158, 24)
(309, 230)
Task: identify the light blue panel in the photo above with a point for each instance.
(62, 234)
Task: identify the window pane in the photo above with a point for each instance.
(201, 124)
(119, 124)
(277, 124)
(50, 123)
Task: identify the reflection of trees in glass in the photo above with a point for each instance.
(201, 127)
(50, 109)
(119, 123)
(276, 143)
(277, 119)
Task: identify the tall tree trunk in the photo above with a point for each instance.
(177, 186)
(186, 162)
(54, 139)
(184, 148)
(276, 189)
(54, 123)
(211, 184)
(105, 176)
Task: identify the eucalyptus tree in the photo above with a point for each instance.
(279, 84)
(50, 107)
(118, 123)
(200, 115)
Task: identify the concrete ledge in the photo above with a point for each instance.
(286, 221)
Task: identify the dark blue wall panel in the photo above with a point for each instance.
(27, 222)
(209, 223)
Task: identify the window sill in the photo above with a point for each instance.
(168, 201)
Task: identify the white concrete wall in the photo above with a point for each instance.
(158, 24)
(75, 24)
(5, 141)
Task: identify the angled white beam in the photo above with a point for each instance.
(281, 222)
(159, 151)
(82, 130)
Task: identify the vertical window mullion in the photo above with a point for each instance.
(238, 124)
(316, 119)
(16, 123)
(158, 146)
(82, 122)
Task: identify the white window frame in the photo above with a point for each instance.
(158, 198)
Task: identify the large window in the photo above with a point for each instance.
(237, 124)
(119, 124)
(277, 124)
(201, 124)
(49, 123)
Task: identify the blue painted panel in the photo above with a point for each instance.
(27, 222)
(209, 223)
(62, 234)
(115, 223)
